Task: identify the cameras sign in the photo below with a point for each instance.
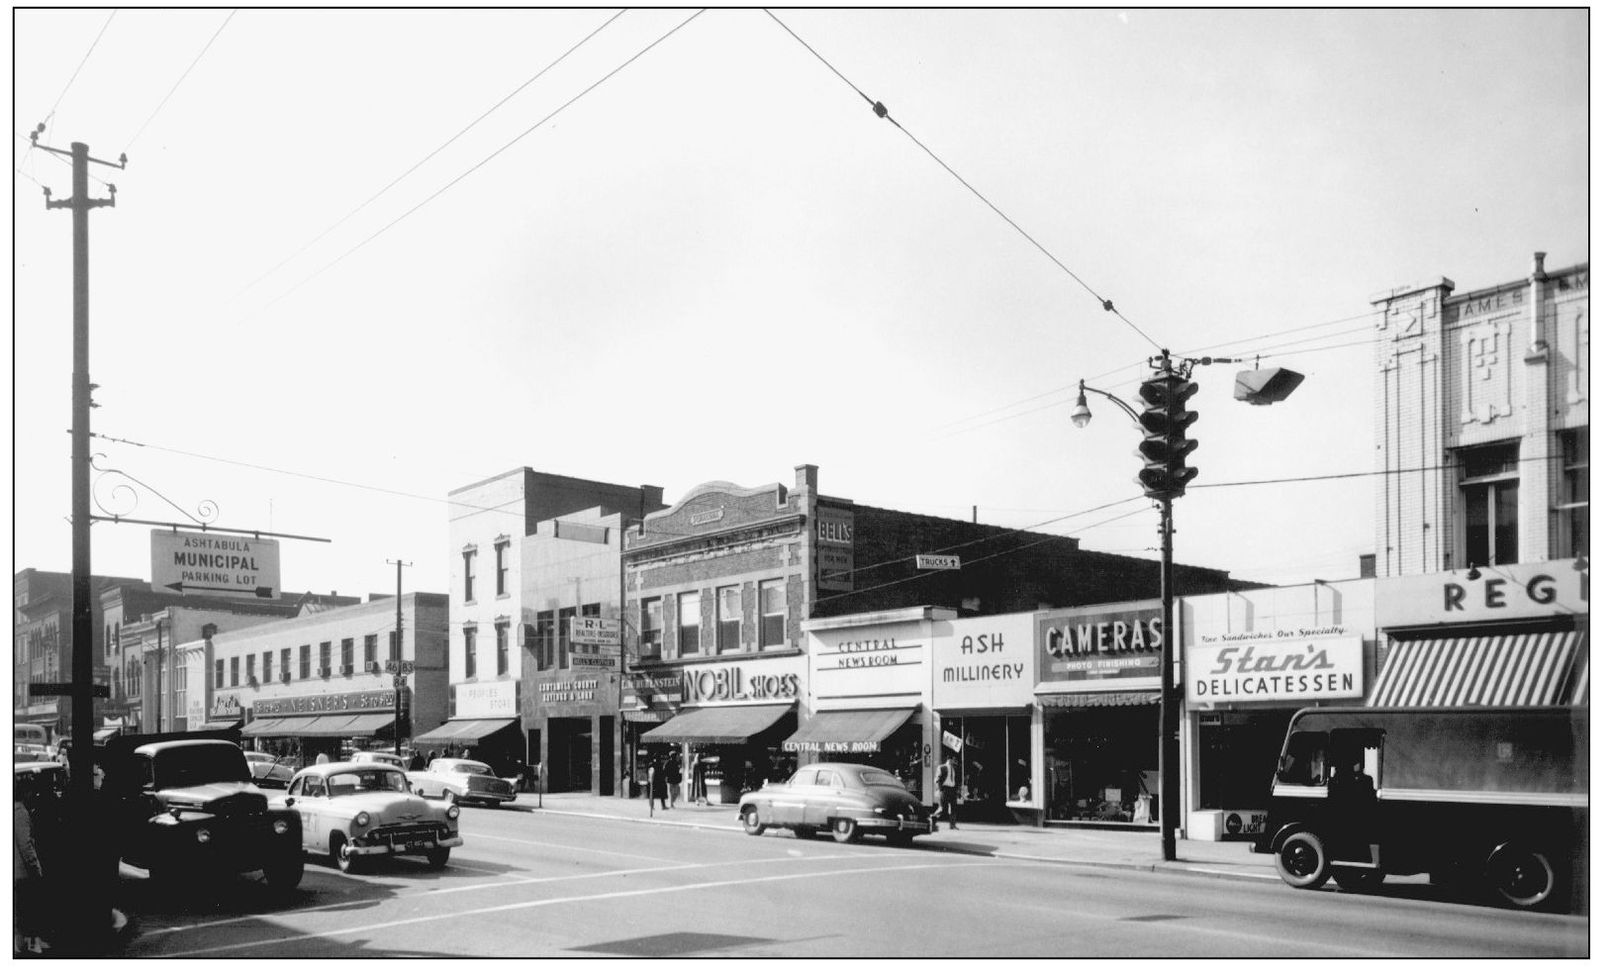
(211, 565)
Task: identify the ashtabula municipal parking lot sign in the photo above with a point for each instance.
(215, 565)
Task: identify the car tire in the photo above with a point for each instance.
(1353, 880)
(752, 821)
(437, 858)
(1522, 876)
(847, 831)
(1302, 861)
(284, 877)
(345, 861)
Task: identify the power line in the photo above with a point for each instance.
(181, 80)
(883, 112)
(432, 154)
(69, 84)
(462, 176)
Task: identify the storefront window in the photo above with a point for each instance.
(994, 759)
(1237, 758)
(1102, 764)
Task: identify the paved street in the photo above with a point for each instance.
(565, 884)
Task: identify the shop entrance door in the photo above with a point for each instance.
(607, 753)
(570, 754)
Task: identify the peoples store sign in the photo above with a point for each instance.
(1296, 666)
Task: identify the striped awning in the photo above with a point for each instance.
(1502, 669)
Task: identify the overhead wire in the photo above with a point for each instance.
(49, 118)
(432, 154)
(463, 175)
(883, 112)
(194, 61)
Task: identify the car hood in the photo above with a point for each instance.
(388, 807)
(219, 798)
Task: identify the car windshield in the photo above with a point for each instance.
(259, 757)
(193, 765)
(878, 777)
(369, 780)
(472, 768)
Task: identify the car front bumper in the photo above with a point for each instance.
(414, 846)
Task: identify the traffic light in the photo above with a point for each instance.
(1164, 420)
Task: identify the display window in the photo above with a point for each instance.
(1102, 764)
(1237, 758)
(993, 754)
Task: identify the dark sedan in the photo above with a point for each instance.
(845, 798)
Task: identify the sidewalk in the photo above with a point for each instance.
(1091, 847)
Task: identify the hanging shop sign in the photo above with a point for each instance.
(1293, 666)
(226, 706)
(354, 701)
(835, 542)
(1082, 644)
(490, 699)
(985, 662)
(596, 630)
(1517, 592)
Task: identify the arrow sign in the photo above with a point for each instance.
(63, 688)
(931, 561)
(267, 593)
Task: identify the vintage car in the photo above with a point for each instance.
(353, 810)
(462, 780)
(187, 805)
(385, 758)
(843, 797)
(268, 771)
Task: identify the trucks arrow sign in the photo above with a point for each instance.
(932, 561)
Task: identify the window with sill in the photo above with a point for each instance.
(501, 633)
(268, 666)
(218, 673)
(470, 575)
(1488, 500)
(470, 652)
(688, 623)
(304, 664)
(369, 650)
(1573, 495)
(324, 659)
(234, 671)
(564, 640)
(650, 629)
(347, 654)
(773, 610)
(729, 613)
(501, 567)
(285, 660)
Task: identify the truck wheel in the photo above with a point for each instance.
(284, 877)
(752, 821)
(1302, 861)
(1354, 880)
(1523, 876)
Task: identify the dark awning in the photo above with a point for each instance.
(370, 724)
(1099, 699)
(718, 726)
(1529, 669)
(848, 731)
(464, 731)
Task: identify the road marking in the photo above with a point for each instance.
(570, 846)
(501, 885)
(589, 898)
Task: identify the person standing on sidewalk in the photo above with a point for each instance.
(946, 782)
(674, 779)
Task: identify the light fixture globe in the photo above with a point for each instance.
(1082, 414)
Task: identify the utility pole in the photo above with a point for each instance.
(95, 880)
(395, 665)
(158, 685)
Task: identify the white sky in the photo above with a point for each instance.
(720, 264)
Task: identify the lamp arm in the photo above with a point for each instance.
(1122, 405)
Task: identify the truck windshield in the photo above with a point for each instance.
(1304, 761)
(196, 764)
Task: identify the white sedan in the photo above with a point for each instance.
(354, 810)
(462, 780)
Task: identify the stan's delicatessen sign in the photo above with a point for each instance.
(1293, 666)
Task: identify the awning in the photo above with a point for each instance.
(718, 726)
(264, 727)
(370, 724)
(1098, 699)
(1504, 669)
(464, 731)
(647, 715)
(210, 726)
(848, 731)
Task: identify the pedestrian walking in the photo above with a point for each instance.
(416, 763)
(674, 779)
(27, 876)
(946, 782)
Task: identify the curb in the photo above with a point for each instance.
(1179, 866)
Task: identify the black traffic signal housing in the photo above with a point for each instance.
(1164, 420)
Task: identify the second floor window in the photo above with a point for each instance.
(285, 663)
(218, 674)
(303, 653)
(729, 613)
(543, 637)
(268, 666)
(1573, 495)
(470, 575)
(501, 568)
(650, 627)
(501, 632)
(773, 609)
(369, 652)
(234, 671)
(1489, 504)
(324, 659)
(688, 623)
(470, 652)
(564, 642)
(347, 655)
(251, 668)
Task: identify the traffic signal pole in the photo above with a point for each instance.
(1169, 749)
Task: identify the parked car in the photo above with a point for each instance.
(354, 810)
(269, 771)
(384, 758)
(462, 780)
(845, 798)
(187, 806)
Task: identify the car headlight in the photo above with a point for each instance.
(453, 812)
(203, 835)
(362, 819)
(281, 827)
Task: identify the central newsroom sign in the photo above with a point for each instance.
(1294, 666)
(1092, 645)
(324, 704)
(867, 660)
(215, 566)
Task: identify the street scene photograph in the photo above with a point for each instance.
(832, 484)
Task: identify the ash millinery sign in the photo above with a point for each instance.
(213, 565)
